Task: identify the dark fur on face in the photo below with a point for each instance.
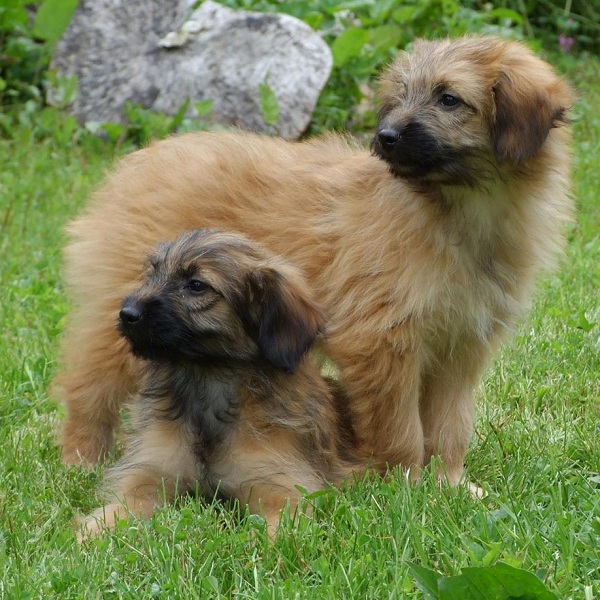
(412, 152)
(227, 393)
(178, 313)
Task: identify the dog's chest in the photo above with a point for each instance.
(210, 404)
(469, 297)
(464, 305)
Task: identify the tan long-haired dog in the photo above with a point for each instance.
(423, 252)
(229, 403)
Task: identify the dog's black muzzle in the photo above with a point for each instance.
(147, 327)
(130, 315)
(388, 138)
(409, 149)
(415, 154)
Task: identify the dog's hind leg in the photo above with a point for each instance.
(384, 386)
(101, 375)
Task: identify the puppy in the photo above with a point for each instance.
(423, 252)
(228, 402)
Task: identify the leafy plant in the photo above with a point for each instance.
(500, 582)
(142, 125)
(27, 35)
(268, 102)
(52, 19)
(562, 24)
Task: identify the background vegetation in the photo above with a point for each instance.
(535, 450)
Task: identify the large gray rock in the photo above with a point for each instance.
(137, 51)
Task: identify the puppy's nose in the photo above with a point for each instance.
(388, 137)
(130, 315)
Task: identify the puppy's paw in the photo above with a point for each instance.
(101, 520)
(89, 527)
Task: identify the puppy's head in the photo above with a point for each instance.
(454, 111)
(211, 296)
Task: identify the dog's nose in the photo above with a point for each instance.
(388, 137)
(130, 314)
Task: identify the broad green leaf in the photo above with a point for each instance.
(506, 13)
(210, 584)
(53, 18)
(113, 130)
(426, 580)
(268, 103)
(500, 582)
(508, 582)
(385, 37)
(349, 45)
(314, 19)
(12, 13)
(353, 5)
(405, 14)
(203, 107)
(583, 323)
(177, 119)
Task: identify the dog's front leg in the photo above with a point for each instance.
(266, 472)
(447, 410)
(159, 465)
(138, 496)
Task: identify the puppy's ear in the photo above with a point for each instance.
(280, 316)
(529, 103)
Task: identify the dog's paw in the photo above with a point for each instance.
(101, 520)
(75, 458)
(90, 527)
(85, 453)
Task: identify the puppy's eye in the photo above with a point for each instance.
(196, 286)
(449, 101)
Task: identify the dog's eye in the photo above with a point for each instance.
(196, 286)
(449, 101)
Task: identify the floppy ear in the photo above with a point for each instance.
(280, 316)
(528, 106)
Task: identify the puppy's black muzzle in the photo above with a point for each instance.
(409, 149)
(130, 315)
(153, 330)
(142, 323)
(388, 138)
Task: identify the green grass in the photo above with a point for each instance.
(535, 449)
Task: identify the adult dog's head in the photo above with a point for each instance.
(454, 112)
(211, 296)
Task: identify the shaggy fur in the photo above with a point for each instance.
(423, 253)
(228, 404)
